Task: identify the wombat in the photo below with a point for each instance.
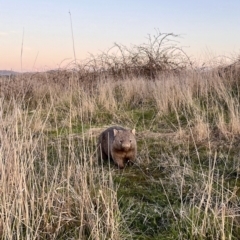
(118, 144)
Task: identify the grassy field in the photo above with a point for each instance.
(184, 185)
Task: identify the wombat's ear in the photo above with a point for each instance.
(115, 131)
(133, 131)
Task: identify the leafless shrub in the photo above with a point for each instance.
(160, 54)
(230, 72)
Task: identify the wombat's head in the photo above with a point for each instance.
(124, 139)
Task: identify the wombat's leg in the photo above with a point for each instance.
(120, 162)
(130, 163)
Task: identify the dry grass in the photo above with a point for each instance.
(52, 187)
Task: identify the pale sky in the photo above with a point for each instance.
(205, 26)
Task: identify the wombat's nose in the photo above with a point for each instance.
(126, 146)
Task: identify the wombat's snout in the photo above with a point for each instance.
(126, 145)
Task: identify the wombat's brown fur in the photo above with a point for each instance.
(118, 144)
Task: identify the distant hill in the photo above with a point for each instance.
(7, 73)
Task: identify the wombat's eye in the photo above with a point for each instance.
(130, 140)
(120, 141)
